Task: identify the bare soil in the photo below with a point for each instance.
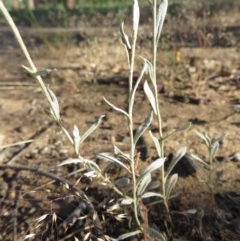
(200, 84)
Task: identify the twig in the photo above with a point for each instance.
(69, 185)
(16, 143)
(46, 174)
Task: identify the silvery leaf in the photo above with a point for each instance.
(162, 11)
(187, 212)
(145, 181)
(29, 236)
(153, 166)
(76, 134)
(150, 96)
(151, 194)
(136, 15)
(125, 38)
(171, 183)
(150, 72)
(119, 153)
(144, 68)
(40, 219)
(126, 201)
(214, 148)
(184, 127)
(156, 143)
(28, 70)
(180, 153)
(200, 160)
(127, 235)
(220, 138)
(90, 174)
(44, 72)
(122, 182)
(116, 108)
(204, 137)
(113, 159)
(143, 127)
(76, 139)
(71, 161)
(92, 128)
(56, 112)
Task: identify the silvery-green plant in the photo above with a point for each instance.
(148, 73)
(137, 179)
(76, 138)
(208, 164)
(167, 181)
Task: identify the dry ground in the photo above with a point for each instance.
(202, 87)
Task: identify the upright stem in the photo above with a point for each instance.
(159, 118)
(130, 126)
(211, 183)
(154, 62)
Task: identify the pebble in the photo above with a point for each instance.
(236, 157)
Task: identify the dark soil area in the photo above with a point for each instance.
(199, 73)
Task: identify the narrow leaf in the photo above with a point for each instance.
(40, 219)
(150, 96)
(76, 139)
(136, 14)
(162, 11)
(71, 161)
(56, 112)
(28, 70)
(144, 68)
(220, 138)
(204, 137)
(31, 235)
(171, 183)
(145, 181)
(180, 153)
(214, 148)
(116, 108)
(184, 126)
(126, 201)
(122, 182)
(146, 123)
(126, 43)
(187, 212)
(112, 159)
(125, 38)
(90, 174)
(44, 72)
(92, 128)
(76, 134)
(199, 160)
(119, 153)
(150, 72)
(151, 194)
(153, 166)
(128, 235)
(156, 143)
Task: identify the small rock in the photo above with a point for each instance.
(235, 157)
